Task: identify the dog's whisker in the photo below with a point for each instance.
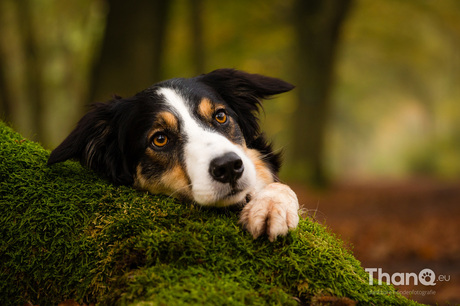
(270, 154)
(177, 191)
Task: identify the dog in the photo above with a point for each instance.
(195, 139)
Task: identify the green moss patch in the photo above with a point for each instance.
(67, 234)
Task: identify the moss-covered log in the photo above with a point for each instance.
(67, 234)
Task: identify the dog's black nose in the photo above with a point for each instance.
(227, 168)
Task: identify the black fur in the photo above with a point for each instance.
(111, 138)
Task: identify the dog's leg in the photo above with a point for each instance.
(272, 210)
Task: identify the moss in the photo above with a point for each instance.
(67, 234)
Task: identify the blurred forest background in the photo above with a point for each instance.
(377, 98)
(377, 81)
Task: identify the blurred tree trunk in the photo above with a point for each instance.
(317, 25)
(5, 100)
(33, 68)
(197, 36)
(132, 49)
(46, 49)
(24, 108)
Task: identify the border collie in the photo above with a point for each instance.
(195, 139)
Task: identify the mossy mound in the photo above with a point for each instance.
(67, 234)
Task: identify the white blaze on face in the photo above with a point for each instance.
(201, 147)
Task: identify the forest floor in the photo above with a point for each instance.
(399, 227)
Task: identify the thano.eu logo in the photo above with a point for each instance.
(426, 277)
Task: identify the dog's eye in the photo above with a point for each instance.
(160, 140)
(221, 116)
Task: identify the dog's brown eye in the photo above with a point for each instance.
(221, 116)
(160, 140)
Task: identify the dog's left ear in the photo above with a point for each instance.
(243, 92)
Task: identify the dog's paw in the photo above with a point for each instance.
(273, 210)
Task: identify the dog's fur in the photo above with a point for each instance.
(195, 139)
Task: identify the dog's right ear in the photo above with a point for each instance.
(244, 92)
(94, 142)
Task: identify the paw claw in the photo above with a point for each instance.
(273, 210)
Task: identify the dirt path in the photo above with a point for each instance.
(400, 227)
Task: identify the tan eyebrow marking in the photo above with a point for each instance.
(206, 108)
(168, 119)
(165, 120)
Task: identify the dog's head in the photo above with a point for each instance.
(196, 139)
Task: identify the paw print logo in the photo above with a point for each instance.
(427, 277)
